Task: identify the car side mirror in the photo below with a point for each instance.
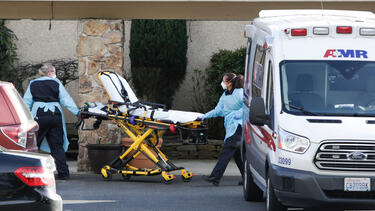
(258, 112)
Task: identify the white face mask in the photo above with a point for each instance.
(223, 85)
(54, 76)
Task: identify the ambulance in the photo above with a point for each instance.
(309, 109)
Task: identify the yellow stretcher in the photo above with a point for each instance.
(145, 130)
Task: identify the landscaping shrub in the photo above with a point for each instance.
(8, 55)
(207, 89)
(158, 58)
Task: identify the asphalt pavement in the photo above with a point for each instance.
(90, 192)
(87, 191)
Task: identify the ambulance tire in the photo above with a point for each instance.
(251, 191)
(272, 203)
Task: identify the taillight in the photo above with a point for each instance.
(344, 30)
(16, 134)
(35, 176)
(299, 32)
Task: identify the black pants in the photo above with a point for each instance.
(50, 126)
(232, 148)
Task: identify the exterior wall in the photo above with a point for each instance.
(204, 39)
(37, 44)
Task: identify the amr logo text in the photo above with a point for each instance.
(341, 53)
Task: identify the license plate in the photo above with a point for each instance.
(357, 184)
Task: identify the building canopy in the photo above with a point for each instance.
(163, 9)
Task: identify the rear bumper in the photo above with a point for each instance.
(52, 202)
(297, 188)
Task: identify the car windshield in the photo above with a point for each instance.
(328, 88)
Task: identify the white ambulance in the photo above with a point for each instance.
(309, 125)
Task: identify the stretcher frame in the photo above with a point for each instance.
(145, 132)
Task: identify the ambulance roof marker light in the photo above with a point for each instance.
(344, 29)
(321, 30)
(367, 31)
(299, 32)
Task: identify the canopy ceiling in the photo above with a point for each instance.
(163, 9)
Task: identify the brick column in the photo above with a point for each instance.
(100, 48)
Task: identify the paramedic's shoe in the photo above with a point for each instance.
(211, 180)
(67, 177)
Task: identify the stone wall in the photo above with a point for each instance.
(99, 48)
(175, 149)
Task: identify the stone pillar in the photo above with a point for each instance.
(99, 48)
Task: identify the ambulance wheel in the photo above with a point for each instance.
(186, 179)
(272, 203)
(251, 191)
(126, 177)
(109, 176)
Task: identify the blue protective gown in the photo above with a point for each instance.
(229, 107)
(64, 99)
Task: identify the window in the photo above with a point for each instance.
(257, 82)
(248, 69)
(269, 98)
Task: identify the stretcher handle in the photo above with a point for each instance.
(154, 105)
(79, 121)
(136, 104)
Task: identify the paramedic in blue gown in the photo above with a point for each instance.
(43, 97)
(230, 107)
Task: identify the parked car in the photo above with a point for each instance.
(27, 182)
(18, 130)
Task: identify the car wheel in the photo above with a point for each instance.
(251, 191)
(272, 202)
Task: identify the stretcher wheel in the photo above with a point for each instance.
(186, 179)
(126, 177)
(108, 176)
(167, 181)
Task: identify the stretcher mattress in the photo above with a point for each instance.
(119, 90)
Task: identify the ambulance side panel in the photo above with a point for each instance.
(257, 139)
